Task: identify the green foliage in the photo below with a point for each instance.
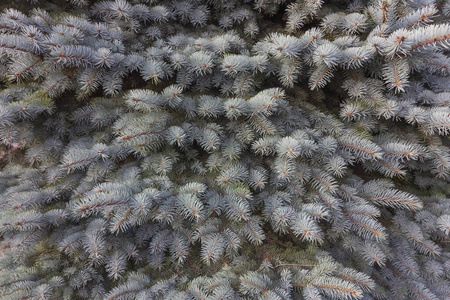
(266, 149)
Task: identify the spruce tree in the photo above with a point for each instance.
(224, 149)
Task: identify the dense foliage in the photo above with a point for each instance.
(213, 149)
